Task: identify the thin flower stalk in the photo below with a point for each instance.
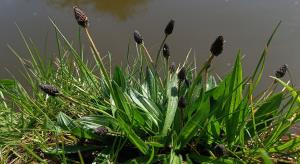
(168, 31)
(166, 54)
(82, 20)
(216, 49)
(140, 42)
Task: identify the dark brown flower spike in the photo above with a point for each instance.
(166, 51)
(80, 17)
(182, 74)
(169, 28)
(49, 89)
(181, 103)
(281, 71)
(219, 150)
(101, 131)
(217, 47)
(137, 37)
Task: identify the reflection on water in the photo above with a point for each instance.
(121, 9)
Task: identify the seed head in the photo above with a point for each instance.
(166, 51)
(219, 150)
(181, 102)
(101, 130)
(169, 28)
(137, 37)
(80, 17)
(49, 89)
(182, 74)
(281, 71)
(217, 47)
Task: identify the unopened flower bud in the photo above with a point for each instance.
(181, 103)
(217, 47)
(182, 74)
(166, 51)
(137, 37)
(169, 28)
(281, 71)
(219, 150)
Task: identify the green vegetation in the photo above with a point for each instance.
(143, 113)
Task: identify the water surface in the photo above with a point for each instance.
(245, 24)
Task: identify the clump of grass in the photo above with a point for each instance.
(136, 115)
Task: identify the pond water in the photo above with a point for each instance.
(245, 25)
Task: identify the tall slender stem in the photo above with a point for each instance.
(98, 57)
(199, 75)
(263, 95)
(147, 53)
(159, 50)
(166, 70)
(80, 43)
(206, 79)
(180, 109)
(92, 43)
(181, 117)
(206, 67)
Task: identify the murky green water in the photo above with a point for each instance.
(245, 24)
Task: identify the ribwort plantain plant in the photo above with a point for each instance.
(121, 118)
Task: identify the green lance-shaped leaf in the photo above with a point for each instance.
(197, 120)
(133, 137)
(172, 94)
